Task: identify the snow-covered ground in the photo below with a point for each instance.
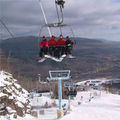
(104, 107)
(98, 81)
(95, 105)
(87, 105)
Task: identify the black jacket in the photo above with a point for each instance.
(68, 43)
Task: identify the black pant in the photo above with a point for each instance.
(43, 51)
(52, 50)
(59, 51)
(62, 49)
(68, 50)
(56, 52)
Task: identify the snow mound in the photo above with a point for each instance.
(14, 100)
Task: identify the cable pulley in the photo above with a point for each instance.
(60, 3)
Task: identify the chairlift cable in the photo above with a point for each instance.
(73, 34)
(61, 9)
(6, 28)
(40, 35)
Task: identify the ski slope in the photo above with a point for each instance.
(95, 105)
(104, 107)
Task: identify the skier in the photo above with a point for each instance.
(68, 47)
(60, 47)
(43, 47)
(52, 44)
(75, 92)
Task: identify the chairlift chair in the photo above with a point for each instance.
(42, 81)
(58, 24)
(70, 89)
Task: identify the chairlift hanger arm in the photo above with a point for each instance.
(61, 4)
(43, 12)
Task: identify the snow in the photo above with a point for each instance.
(106, 107)
(40, 101)
(101, 106)
(10, 110)
(4, 79)
(2, 94)
(27, 117)
(94, 104)
(19, 104)
(99, 81)
(17, 86)
(5, 118)
(11, 97)
(25, 92)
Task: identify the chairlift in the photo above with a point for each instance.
(60, 25)
(72, 92)
(42, 81)
(70, 89)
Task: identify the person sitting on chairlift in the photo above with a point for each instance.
(60, 47)
(68, 47)
(52, 44)
(43, 47)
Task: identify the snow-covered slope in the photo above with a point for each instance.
(14, 100)
(87, 105)
(103, 106)
(98, 81)
(95, 105)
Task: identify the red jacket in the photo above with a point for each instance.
(61, 42)
(44, 43)
(52, 41)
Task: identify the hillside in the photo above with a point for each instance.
(94, 59)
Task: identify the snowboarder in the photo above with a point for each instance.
(60, 47)
(43, 47)
(52, 44)
(68, 46)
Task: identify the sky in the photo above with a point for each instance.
(88, 18)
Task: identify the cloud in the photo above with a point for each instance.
(89, 18)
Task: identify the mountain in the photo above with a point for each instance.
(94, 59)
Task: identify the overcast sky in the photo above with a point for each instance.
(88, 18)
